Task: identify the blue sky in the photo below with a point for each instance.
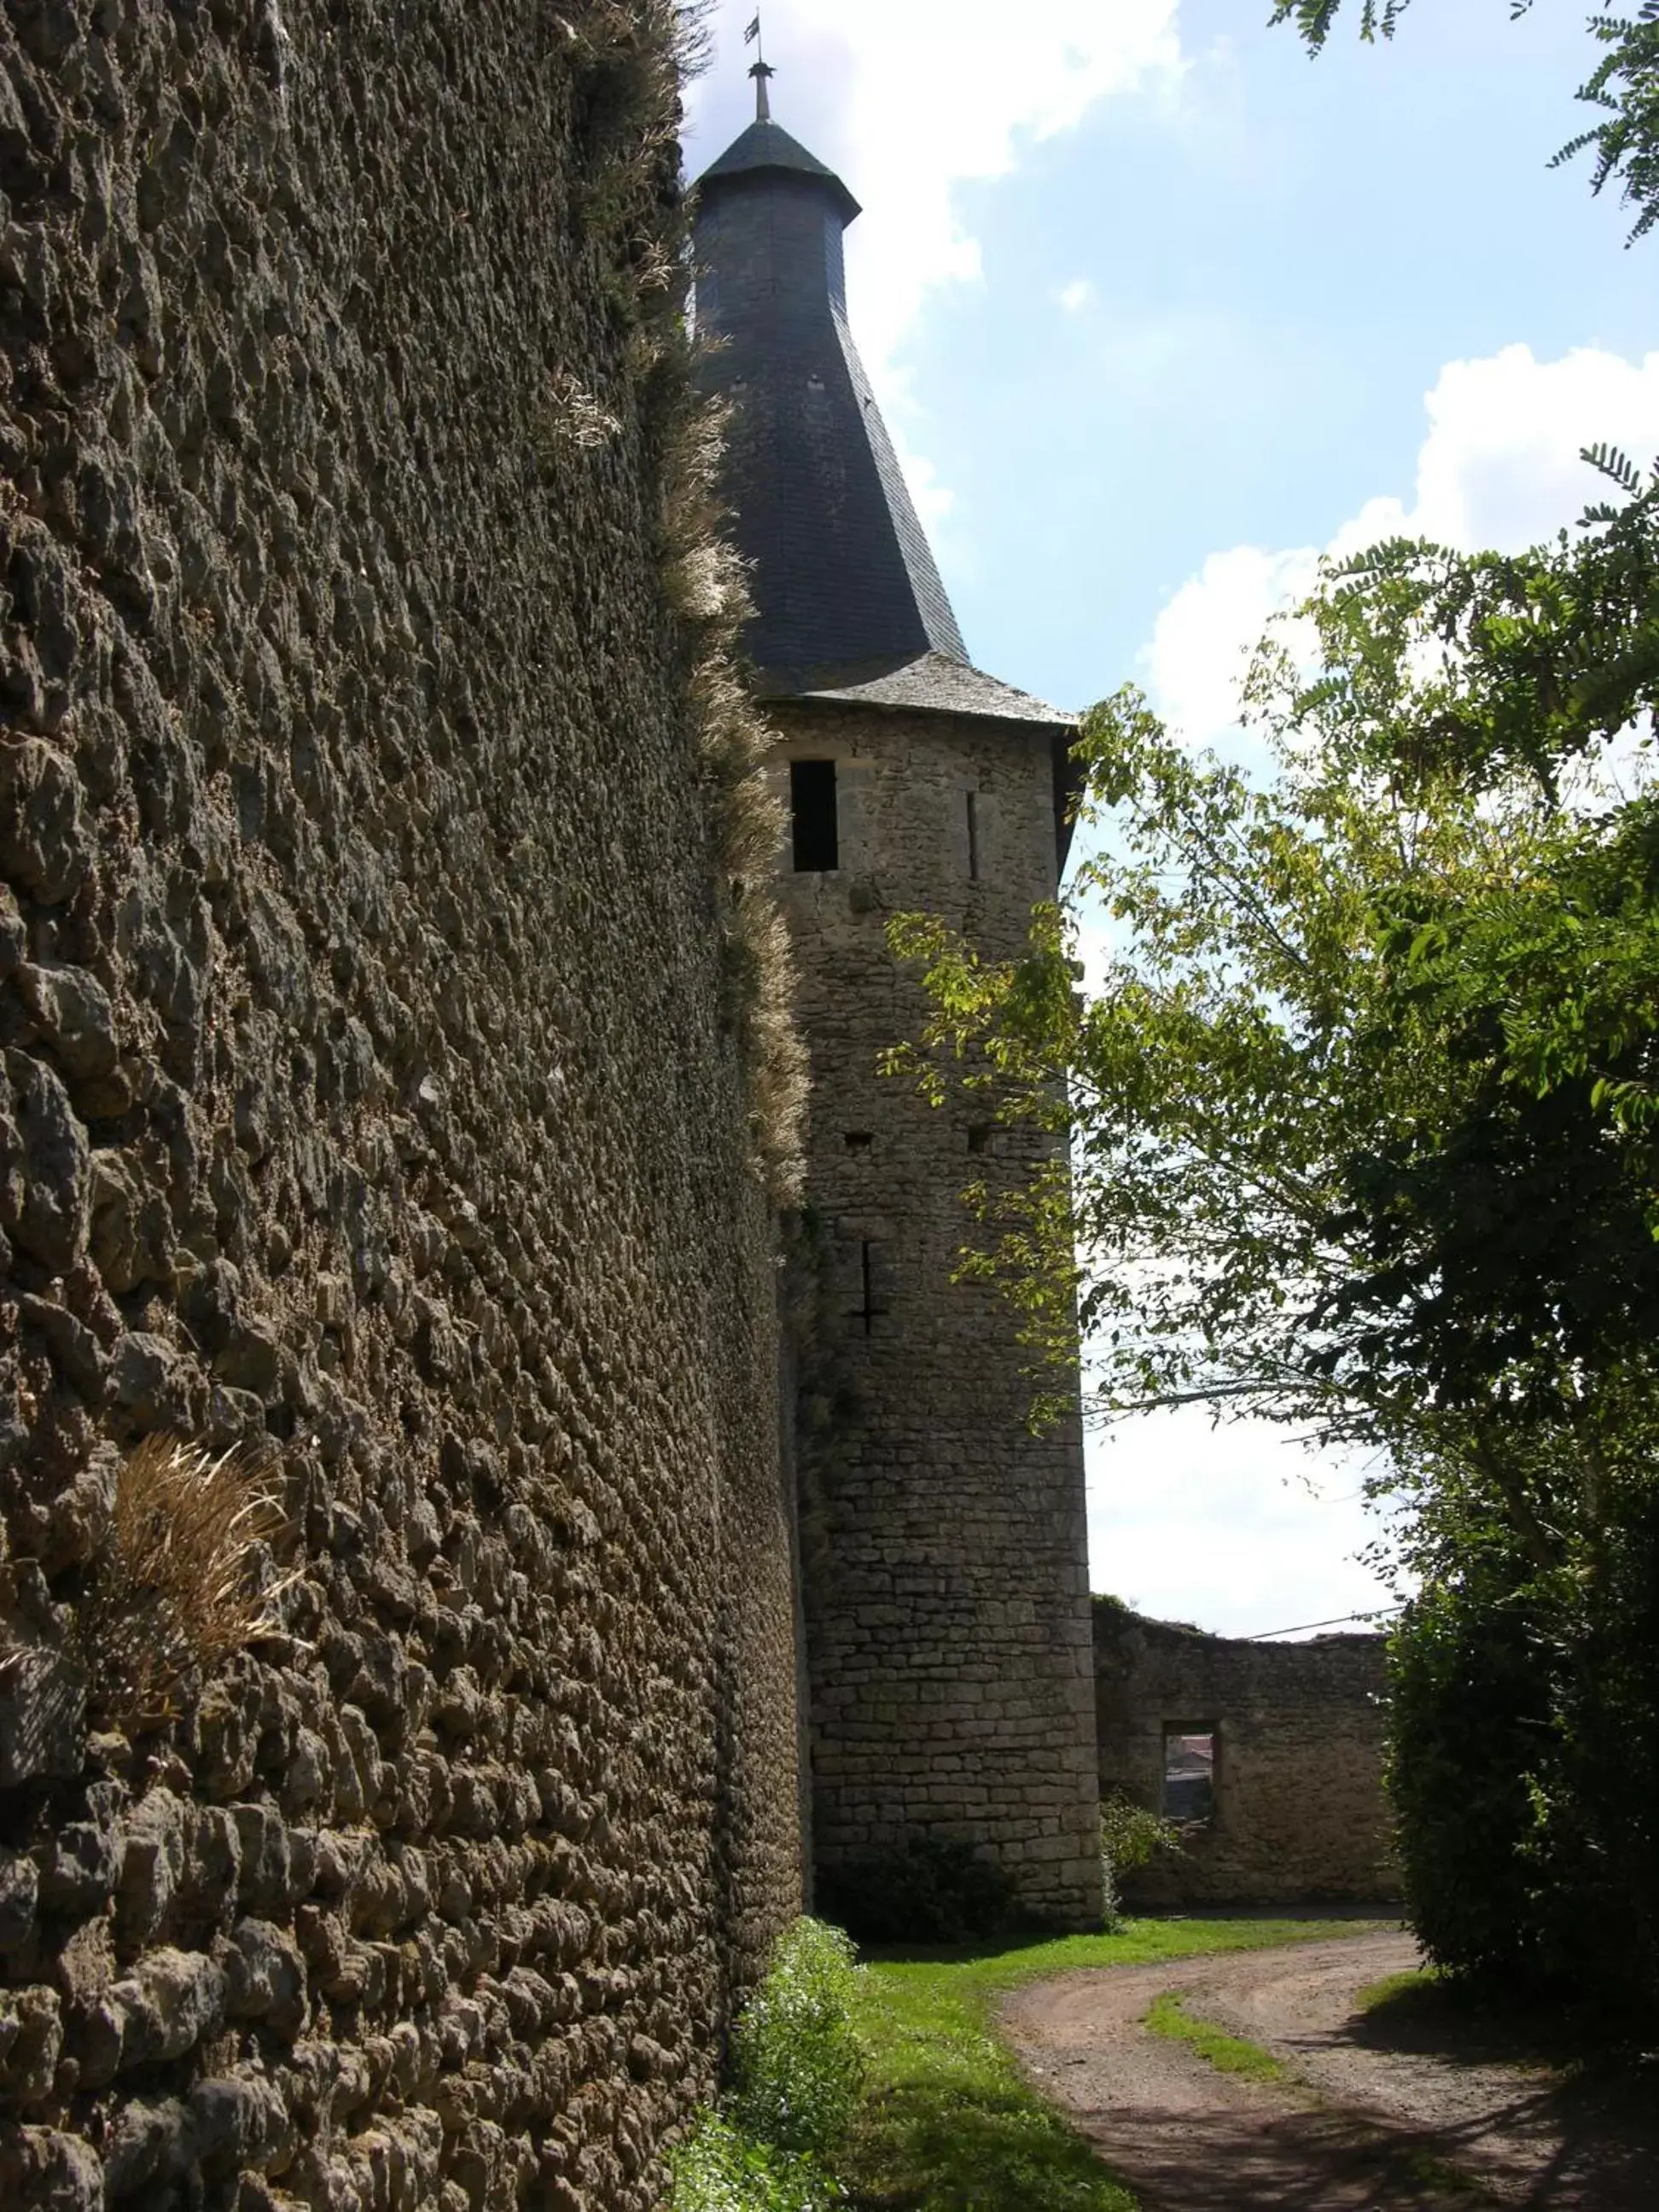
(1158, 309)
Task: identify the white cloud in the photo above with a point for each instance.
(1076, 294)
(908, 103)
(1499, 467)
(1236, 1528)
(925, 96)
(1204, 635)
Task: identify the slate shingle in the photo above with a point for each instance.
(849, 605)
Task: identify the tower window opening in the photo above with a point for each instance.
(979, 1137)
(1189, 1773)
(871, 1280)
(860, 1141)
(813, 815)
(972, 836)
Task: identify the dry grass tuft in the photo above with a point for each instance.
(170, 1592)
(633, 56)
(708, 592)
(576, 416)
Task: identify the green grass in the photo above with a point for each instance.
(1228, 2054)
(947, 2124)
(1424, 2170)
(1412, 1983)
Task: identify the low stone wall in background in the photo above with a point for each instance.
(1299, 1809)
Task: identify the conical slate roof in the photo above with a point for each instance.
(841, 571)
(766, 146)
(850, 608)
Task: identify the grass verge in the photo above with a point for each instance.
(1414, 1982)
(948, 2124)
(1228, 2054)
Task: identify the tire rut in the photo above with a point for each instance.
(1365, 2122)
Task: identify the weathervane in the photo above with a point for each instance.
(761, 71)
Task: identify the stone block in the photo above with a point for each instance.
(42, 2170)
(348, 790)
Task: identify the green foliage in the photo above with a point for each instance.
(1131, 1836)
(1280, 1111)
(1314, 19)
(1489, 665)
(796, 2067)
(718, 2168)
(1366, 1138)
(1228, 2054)
(1624, 84)
(1525, 1712)
(932, 1889)
(1470, 1715)
(1365, 1101)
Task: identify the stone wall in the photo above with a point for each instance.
(368, 1091)
(1300, 1812)
(945, 1549)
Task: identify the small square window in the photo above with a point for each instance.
(1189, 1773)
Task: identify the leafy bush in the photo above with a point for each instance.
(932, 1890)
(796, 2067)
(797, 2070)
(718, 2168)
(1129, 1835)
(1523, 1722)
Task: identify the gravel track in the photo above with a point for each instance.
(1378, 2115)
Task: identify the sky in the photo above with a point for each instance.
(1158, 309)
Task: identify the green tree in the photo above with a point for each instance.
(1364, 1105)
(1624, 83)
(1364, 1101)
(1525, 1708)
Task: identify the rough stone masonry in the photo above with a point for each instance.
(1296, 1736)
(944, 1545)
(368, 1089)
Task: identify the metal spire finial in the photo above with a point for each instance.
(761, 71)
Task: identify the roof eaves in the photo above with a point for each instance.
(765, 150)
(928, 683)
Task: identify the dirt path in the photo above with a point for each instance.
(1379, 2116)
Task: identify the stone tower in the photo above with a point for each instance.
(944, 1558)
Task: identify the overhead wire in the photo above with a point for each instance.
(1377, 1613)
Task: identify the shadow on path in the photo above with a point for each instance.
(1390, 2108)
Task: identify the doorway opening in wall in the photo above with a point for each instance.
(1189, 1749)
(812, 817)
